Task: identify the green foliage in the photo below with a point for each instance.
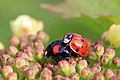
(91, 8)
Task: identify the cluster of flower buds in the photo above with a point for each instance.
(24, 57)
(24, 60)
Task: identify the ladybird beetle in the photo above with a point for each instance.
(72, 45)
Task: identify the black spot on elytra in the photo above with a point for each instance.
(82, 40)
(83, 53)
(77, 49)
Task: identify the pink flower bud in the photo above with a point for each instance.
(72, 62)
(28, 48)
(38, 44)
(110, 52)
(92, 55)
(72, 69)
(97, 42)
(20, 62)
(3, 58)
(6, 69)
(50, 65)
(30, 74)
(43, 35)
(40, 53)
(116, 61)
(11, 61)
(108, 73)
(80, 65)
(24, 69)
(74, 76)
(22, 45)
(12, 76)
(113, 78)
(104, 59)
(99, 50)
(31, 56)
(22, 54)
(14, 40)
(12, 50)
(36, 67)
(95, 69)
(58, 77)
(46, 74)
(65, 78)
(98, 76)
(118, 74)
(86, 73)
(31, 38)
(64, 66)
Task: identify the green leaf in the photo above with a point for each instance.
(90, 8)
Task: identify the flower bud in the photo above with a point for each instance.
(14, 40)
(1, 46)
(80, 65)
(24, 69)
(108, 73)
(98, 76)
(46, 74)
(25, 25)
(38, 44)
(3, 58)
(118, 74)
(12, 50)
(20, 62)
(11, 61)
(104, 59)
(99, 50)
(65, 78)
(97, 42)
(50, 65)
(12, 76)
(56, 69)
(22, 54)
(116, 61)
(31, 38)
(43, 35)
(113, 78)
(110, 52)
(96, 64)
(95, 69)
(28, 48)
(92, 55)
(72, 69)
(23, 38)
(40, 53)
(64, 66)
(31, 56)
(86, 73)
(74, 76)
(114, 35)
(36, 67)
(6, 69)
(72, 62)
(30, 74)
(58, 77)
(22, 45)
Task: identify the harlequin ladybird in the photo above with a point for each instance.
(72, 45)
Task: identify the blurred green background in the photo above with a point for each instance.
(53, 23)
